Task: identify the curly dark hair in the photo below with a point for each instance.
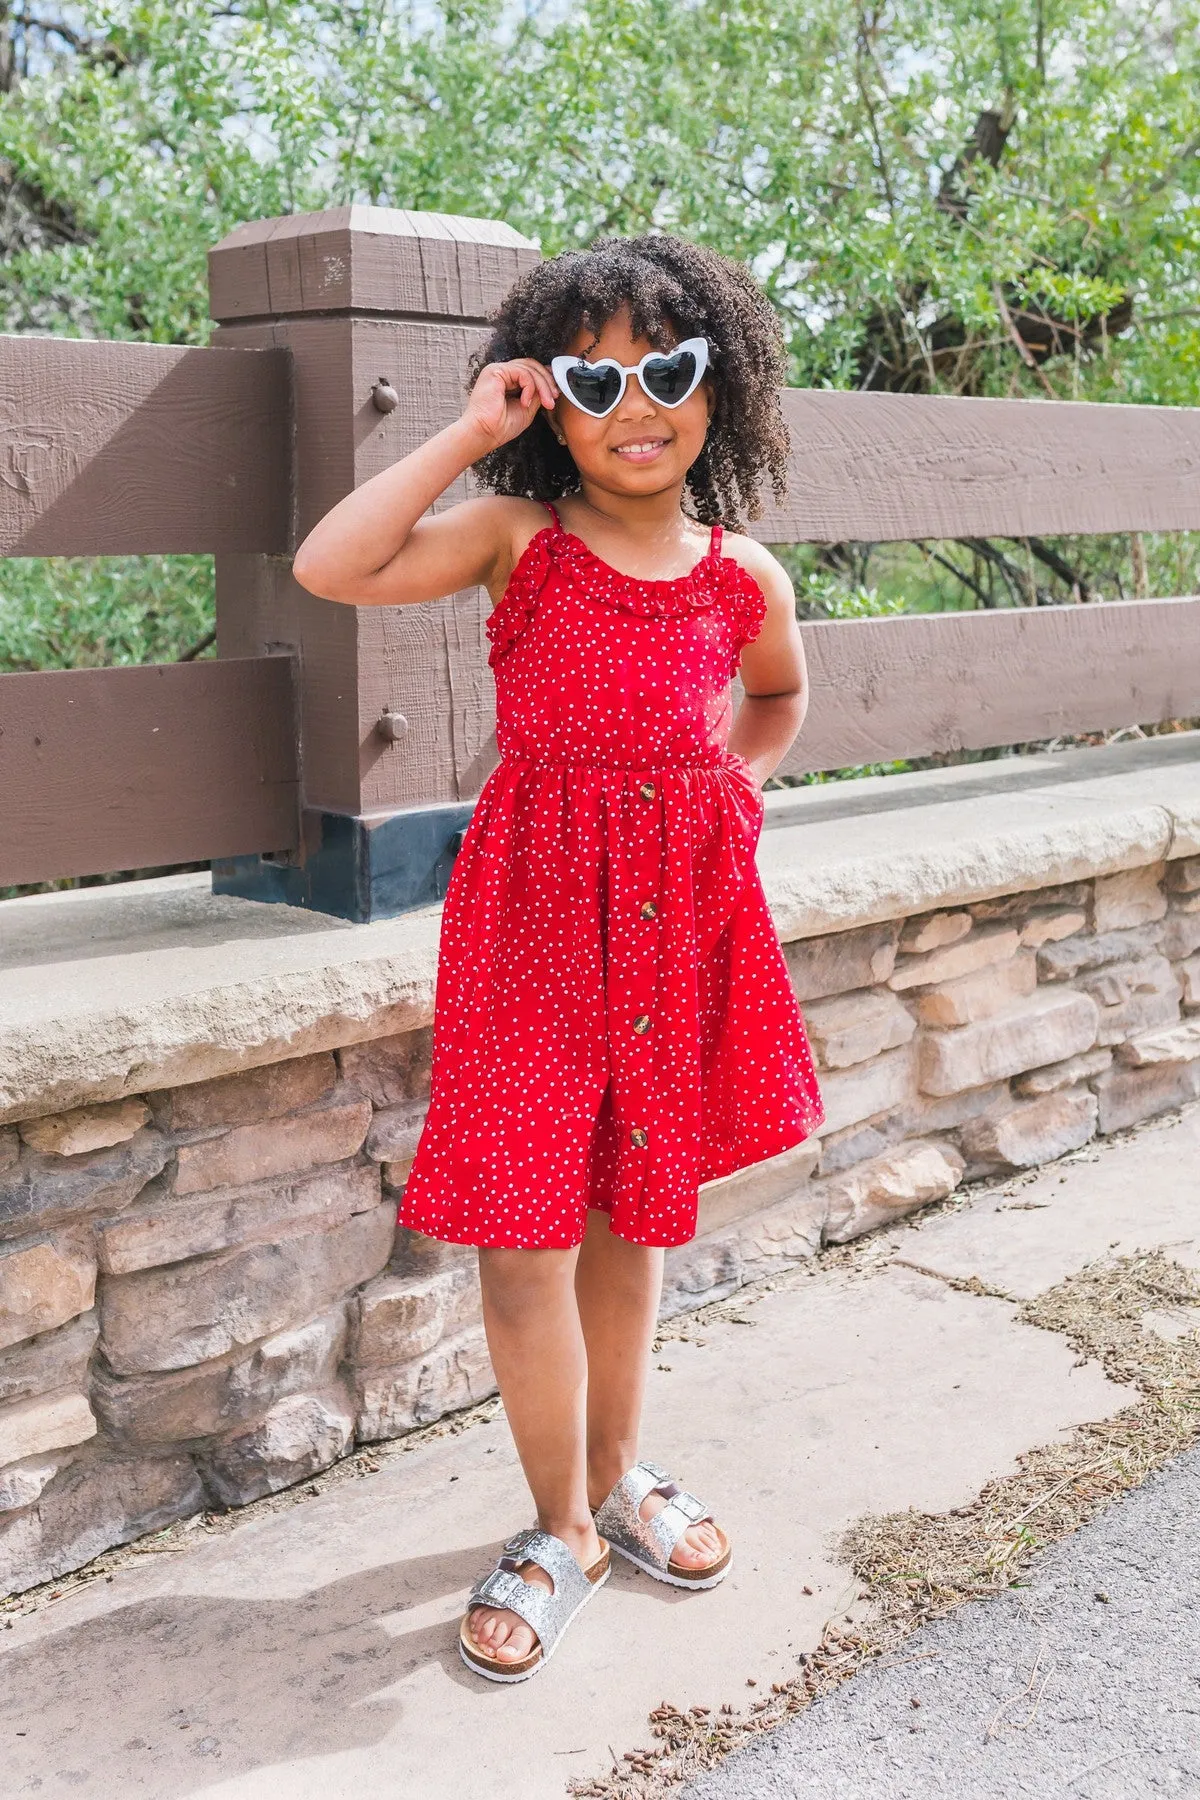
(673, 290)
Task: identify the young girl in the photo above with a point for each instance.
(614, 1022)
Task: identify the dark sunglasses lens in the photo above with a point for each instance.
(594, 389)
(668, 378)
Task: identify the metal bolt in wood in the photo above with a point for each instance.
(384, 396)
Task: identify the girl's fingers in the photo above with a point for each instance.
(533, 378)
(521, 387)
(545, 382)
(547, 386)
(527, 386)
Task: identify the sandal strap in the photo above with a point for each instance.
(544, 1613)
(549, 1553)
(619, 1518)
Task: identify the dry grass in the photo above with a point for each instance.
(914, 1566)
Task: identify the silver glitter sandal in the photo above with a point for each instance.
(648, 1543)
(547, 1614)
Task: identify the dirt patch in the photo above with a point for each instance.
(912, 1567)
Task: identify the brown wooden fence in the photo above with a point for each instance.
(271, 760)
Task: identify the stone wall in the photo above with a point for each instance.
(968, 1042)
(203, 1296)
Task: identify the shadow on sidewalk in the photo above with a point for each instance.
(167, 1694)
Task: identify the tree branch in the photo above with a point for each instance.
(199, 647)
(986, 143)
(91, 49)
(1023, 350)
(1018, 585)
(863, 46)
(47, 212)
(968, 581)
(1061, 567)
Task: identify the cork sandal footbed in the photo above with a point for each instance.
(503, 1669)
(704, 1571)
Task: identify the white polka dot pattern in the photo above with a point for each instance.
(614, 1021)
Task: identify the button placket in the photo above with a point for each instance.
(637, 876)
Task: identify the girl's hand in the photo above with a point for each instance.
(507, 398)
(376, 547)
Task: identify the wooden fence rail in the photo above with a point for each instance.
(104, 769)
(903, 687)
(888, 467)
(114, 449)
(238, 449)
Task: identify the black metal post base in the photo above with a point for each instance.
(356, 868)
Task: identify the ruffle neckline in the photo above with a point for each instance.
(714, 578)
(669, 597)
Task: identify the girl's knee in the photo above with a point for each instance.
(515, 1280)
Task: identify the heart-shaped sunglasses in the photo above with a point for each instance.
(668, 377)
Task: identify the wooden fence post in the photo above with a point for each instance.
(362, 295)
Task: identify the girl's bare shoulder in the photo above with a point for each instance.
(525, 519)
(766, 569)
(522, 520)
(507, 523)
(503, 517)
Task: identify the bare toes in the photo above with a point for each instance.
(500, 1634)
(490, 1630)
(517, 1644)
(699, 1544)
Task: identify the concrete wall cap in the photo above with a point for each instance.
(120, 990)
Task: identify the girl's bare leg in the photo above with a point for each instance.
(618, 1286)
(531, 1318)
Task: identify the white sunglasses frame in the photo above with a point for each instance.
(560, 365)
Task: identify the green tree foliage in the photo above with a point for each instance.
(86, 612)
(940, 197)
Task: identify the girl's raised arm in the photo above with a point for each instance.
(376, 548)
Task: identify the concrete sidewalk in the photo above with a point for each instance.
(309, 1651)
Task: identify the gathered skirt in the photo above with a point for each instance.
(614, 1020)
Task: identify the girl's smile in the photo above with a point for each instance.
(643, 450)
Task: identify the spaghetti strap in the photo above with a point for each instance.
(714, 548)
(553, 511)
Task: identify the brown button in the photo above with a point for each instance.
(648, 909)
(639, 1137)
(647, 790)
(642, 1024)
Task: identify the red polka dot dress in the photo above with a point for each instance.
(614, 1023)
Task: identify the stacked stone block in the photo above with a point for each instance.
(177, 1275)
(204, 1297)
